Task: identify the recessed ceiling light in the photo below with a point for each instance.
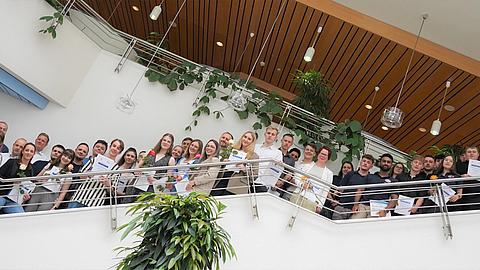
(449, 108)
(135, 8)
(174, 24)
(262, 64)
(421, 129)
(219, 44)
(279, 69)
(368, 106)
(384, 128)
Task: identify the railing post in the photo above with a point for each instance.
(253, 198)
(113, 206)
(300, 198)
(447, 227)
(125, 55)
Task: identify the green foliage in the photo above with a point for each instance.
(454, 150)
(177, 232)
(55, 19)
(314, 92)
(266, 107)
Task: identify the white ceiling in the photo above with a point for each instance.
(454, 24)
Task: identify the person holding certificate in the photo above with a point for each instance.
(15, 168)
(122, 181)
(49, 193)
(470, 167)
(451, 191)
(310, 194)
(236, 175)
(203, 180)
(412, 197)
(192, 156)
(93, 191)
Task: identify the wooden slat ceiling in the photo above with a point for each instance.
(353, 60)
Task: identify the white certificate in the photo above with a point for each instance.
(102, 163)
(448, 192)
(404, 205)
(181, 187)
(473, 167)
(16, 194)
(236, 155)
(271, 175)
(53, 185)
(377, 206)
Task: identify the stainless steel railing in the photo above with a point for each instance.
(141, 51)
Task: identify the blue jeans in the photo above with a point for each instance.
(75, 205)
(10, 207)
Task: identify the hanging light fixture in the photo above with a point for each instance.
(393, 116)
(126, 103)
(369, 107)
(311, 50)
(156, 11)
(437, 124)
(237, 99)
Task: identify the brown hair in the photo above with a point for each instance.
(158, 146)
(250, 150)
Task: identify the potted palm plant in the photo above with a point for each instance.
(176, 232)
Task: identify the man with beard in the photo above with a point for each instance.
(380, 177)
(428, 164)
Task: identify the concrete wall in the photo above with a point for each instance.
(82, 239)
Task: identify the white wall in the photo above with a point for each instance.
(82, 239)
(92, 114)
(54, 68)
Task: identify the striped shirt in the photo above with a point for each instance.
(91, 191)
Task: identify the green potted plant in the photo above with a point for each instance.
(177, 232)
(314, 92)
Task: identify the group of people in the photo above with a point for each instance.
(26, 159)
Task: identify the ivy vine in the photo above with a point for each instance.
(56, 19)
(266, 107)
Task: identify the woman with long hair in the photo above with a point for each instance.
(398, 170)
(49, 193)
(121, 181)
(238, 182)
(192, 156)
(94, 191)
(159, 156)
(15, 168)
(445, 171)
(204, 179)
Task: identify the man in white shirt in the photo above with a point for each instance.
(17, 148)
(268, 151)
(40, 143)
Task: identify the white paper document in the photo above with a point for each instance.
(448, 192)
(102, 163)
(181, 187)
(16, 194)
(236, 155)
(404, 204)
(272, 173)
(473, 167)
(55, 184)
(377, 206)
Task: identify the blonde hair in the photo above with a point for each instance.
(272, 128)
(250, 150)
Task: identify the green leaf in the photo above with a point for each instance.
(46, 18)
(257, 125)
(172, 85)
(251, 107)
(224, 98)
(205, 99)
(355, 126)
(181, 86)
(242, 114)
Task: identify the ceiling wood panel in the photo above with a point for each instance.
(354, 58)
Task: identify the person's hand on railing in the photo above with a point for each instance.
(413, 210)
(455, 198)
(26, 197)
(190, 185)
(105, 181)
(355, 208)
(241, 167)
(382, 213)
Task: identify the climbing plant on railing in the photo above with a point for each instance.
(56, 19)
(345, 137)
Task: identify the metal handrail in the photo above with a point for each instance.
(295, 111)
